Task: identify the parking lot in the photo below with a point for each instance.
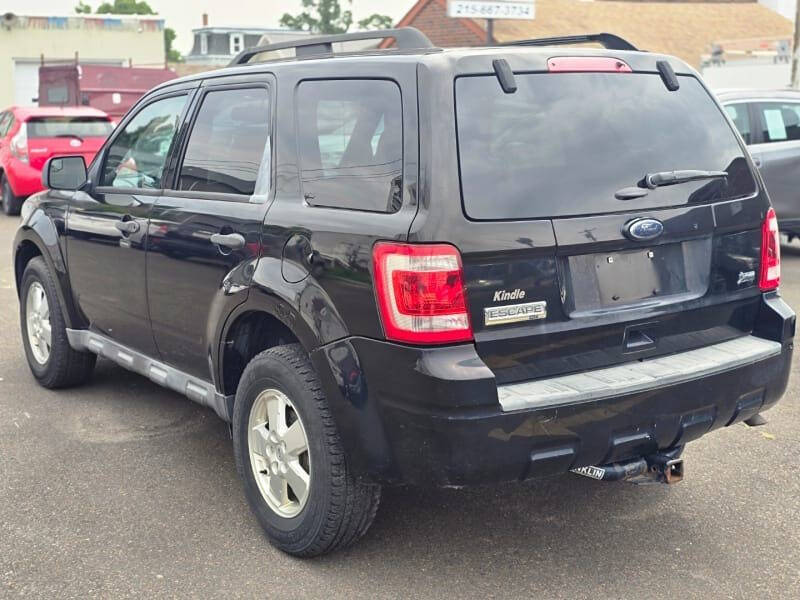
(121, 488)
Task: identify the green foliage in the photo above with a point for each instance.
(83, 9)
(376, 21)
(125, 7)
(172, 54)
(327, 16)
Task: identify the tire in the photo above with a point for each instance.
(337, 509)
(60, 366)
(11, 204)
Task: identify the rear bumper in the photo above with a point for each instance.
(24, 179)
(432, 416)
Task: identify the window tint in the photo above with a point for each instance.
(227, 142)
(741, 118)
(564, 144)
(138, 155)
(82, 127)
(351, 144)
(781, 121)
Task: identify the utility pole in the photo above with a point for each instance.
(796, 47)
(490, 30)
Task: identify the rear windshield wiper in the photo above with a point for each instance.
(654, 180)
(69, 135)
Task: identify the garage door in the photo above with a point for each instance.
(26, 82)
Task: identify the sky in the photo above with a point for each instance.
(184, 15)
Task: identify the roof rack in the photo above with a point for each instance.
(405, 38)
(607, 40)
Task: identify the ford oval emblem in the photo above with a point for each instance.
(644, 229)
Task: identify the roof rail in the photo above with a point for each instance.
(607, 40)
(405, 38)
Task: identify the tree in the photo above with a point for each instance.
(327, 16)
(169, 37)
(132, 7)
(376, 21)
(125, 7)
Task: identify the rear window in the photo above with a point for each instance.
(564, 143)
(82, 127)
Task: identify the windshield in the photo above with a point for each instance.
(82, 127)
(565, 143)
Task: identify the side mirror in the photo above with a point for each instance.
(64, 173)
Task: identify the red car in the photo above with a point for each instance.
(31, 135)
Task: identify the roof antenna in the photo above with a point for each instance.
(505, 75)
(668, 75)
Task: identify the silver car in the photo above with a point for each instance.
(769, 121)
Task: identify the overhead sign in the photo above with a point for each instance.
(491, 9)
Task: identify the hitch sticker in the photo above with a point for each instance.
(593, 472)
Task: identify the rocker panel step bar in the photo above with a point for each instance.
(202, 392)
(636, 376)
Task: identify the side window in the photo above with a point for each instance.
(350, 139)
(781, 121)
(741, 118)
(138, 155)
(227, 143)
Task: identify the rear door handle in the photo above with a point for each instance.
(233, 241)
(127, 226)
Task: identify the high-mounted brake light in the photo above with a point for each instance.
(577, 64)
(420, 290)
(770, 274)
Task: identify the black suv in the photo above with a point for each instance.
(416, 265)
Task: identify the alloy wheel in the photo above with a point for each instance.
(279, 454)
(37, 318)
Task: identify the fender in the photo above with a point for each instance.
(43, 222)
(303, 308)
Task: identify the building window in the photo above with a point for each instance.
(203, 43)
(237, 43)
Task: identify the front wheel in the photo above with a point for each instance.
(289, 455)
(51, 359)
(11, 203)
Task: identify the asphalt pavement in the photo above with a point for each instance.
(122, 489)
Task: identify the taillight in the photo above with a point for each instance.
(770, 275)
(19, 144)
(420, 290)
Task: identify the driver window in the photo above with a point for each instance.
(137, 157)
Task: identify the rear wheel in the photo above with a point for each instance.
(51, 359)
(290, 457)
(11, 203)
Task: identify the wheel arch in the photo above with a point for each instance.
(30, 243)
(253, 327)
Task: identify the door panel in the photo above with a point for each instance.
(107, 226)
(191, 281)
(779, 164)
(205, 235)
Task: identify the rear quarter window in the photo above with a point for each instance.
(350, 141)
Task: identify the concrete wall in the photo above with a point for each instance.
(751, 75)
(108, 39)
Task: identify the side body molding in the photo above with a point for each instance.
(202, 392)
